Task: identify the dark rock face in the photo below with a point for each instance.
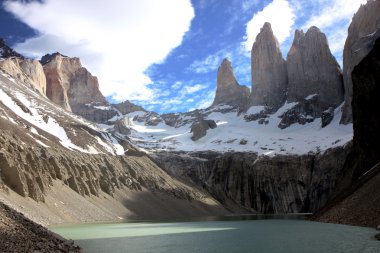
(121, 126)
(128, 107)
(356, 198)
(269, 75)
(280, 184)
(362, 34)
(312, 69)
(303, 112)
(200, 127)
(150, 118)
(327, 116)
(228, 90)
(7, 52)
(366, 116)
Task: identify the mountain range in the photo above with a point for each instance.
(296, 142)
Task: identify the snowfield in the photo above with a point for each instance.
(42, 114)
(234, 133)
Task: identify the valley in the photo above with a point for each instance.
(302, 140)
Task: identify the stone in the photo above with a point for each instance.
(362, 34)
(262, 184)
(27, 71)
(121, 126)
(74, 88)
(128, 107)
(313, 70)
(327, 116)
(378, 227)
(228, 90)
(269, 74)
(200, 127)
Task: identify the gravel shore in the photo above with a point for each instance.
(19, 234)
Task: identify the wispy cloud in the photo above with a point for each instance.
(333, 17)
(209, 63)
(116, 40)
(194, 88)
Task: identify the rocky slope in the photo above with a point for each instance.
(228, 90)
(269, 75)
(362, 33)
(74, 88)
(44, 147)
(16, 228)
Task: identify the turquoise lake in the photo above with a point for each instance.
(230, 234)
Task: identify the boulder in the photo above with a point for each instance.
(200, 127)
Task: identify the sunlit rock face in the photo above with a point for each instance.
(74, 88)
(228, 90)
(269, 75)
(362, 34)
(29, 72)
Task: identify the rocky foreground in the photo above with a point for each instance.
(16, 228)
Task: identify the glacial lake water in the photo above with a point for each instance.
(228, 234)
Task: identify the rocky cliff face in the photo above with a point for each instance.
(357, 197)
(29, 72)
(362, 33)
(45, 150)
(74, 88)
(269, 75)
(279, 184)
(312, 69)
(128, 107)
(228, 90)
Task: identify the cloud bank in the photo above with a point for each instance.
(117, 40)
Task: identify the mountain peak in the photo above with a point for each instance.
(269, 76)
(7, 52)
(49, 57)
(228, 90)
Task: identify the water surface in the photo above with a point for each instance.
(253, 234)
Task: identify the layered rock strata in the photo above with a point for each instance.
(280, 184)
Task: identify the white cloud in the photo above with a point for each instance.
(210, 63)
(206, 101)
(194, 88)
(333, 17)
(117, 40)
(281, 16)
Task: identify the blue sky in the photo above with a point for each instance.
(164, 55)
